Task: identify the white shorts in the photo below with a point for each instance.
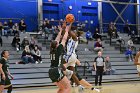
(71, 60)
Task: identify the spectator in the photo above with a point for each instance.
(129, 54)
(55, 32)
(15, 29)
(6, 29)
(88, 36)
(98, 45)
(109, 69)
(48, 28)
(127, 28)
(26, 56)
(1, 42)
(16, 42)
(43, 25)
(25, 42)
(99, 66)
(36, 53)
(114, 33)
(10, 24)
(112, 30)
(48, 25)
(97, 34)
(32, 43)
(133, 34)
(130, 43)
(1, 28)
(22, 26)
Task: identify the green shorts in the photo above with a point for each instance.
(6, 81)
(56, 74)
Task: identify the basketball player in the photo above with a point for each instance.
(56, 73)
(5, 73)
(71, 59)
(137, 61)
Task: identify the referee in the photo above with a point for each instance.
(99, 66)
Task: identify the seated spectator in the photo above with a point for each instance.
(16, 42)
(6, 29)
(112, 31)
(32, 43)
(133, 34)
(1, 28)
(130, 43)
(96, 34)
(10, 24)
(16, 29)
(98, 45)
(88, 36)
(55, 32)
(129, 54)
(26, 56)
(36, 55)
(22, 26)
(108, 66)
(127, 27)
(1, 41)
(25, 42)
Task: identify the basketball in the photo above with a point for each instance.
(70, 18)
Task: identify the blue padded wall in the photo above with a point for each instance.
(59, 9)
(26, 9)
(110, 15)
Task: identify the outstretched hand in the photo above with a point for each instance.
(67, 28)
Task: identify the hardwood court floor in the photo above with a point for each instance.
(129, 87)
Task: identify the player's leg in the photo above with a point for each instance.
(64, 85)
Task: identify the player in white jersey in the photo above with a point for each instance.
(71, 57)
(72, 60)
(137, 61)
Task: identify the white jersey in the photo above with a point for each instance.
(71, 56)
(71, 46)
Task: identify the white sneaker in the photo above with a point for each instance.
(80, 89)
(96, 89)
(69, 73)
(36, 62)
(41, 62)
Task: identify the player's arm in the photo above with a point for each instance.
(68, 28)
(8, 72)
(136, 59)
(94, 64)
(2, 73)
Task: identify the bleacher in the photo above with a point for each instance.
(31, 75)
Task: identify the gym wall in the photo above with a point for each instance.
(26, 9)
